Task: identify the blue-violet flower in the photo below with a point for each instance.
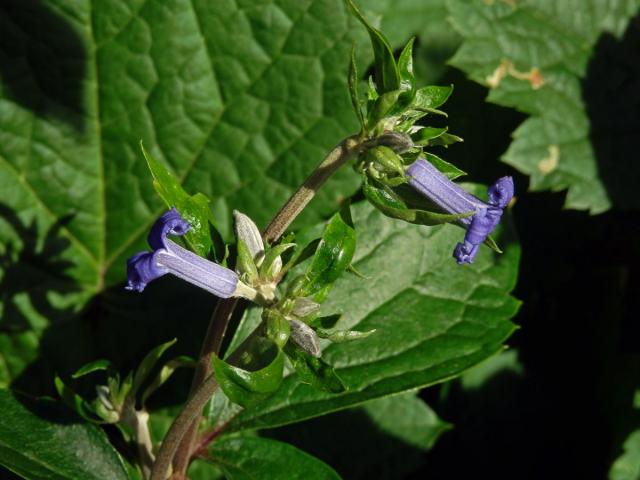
(169, 257)
(452, 198)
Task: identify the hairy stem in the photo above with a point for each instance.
(177, 445)
(301, 198)
(181, 424)
(211, 344)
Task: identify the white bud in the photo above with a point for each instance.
(303, 306)
(304, 336)
(249, 233)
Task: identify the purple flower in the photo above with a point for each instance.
(168, 257)
(449, 196)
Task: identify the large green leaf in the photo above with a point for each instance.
(387, 438)
(247, 458)
(534, 56)
(433, 318)
(627, 466)
(43, 440)
(238, 99)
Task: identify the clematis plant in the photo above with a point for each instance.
(391, 152)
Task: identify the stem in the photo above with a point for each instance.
(180, 438)
(181, 424)
(220, 319)
(296, 203)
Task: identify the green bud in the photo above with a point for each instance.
(277, 327)
(104, 407)
(246, 265)
(296, 286)
(341, 336)
(386, 160)
(397, 141)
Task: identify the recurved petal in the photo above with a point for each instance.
(170, 223)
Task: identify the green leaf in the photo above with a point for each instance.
(431, 97)
(382, 106)
(75, 401)
(434, 318)
(148, 363)
(387, 438)
(407, 418)
(407, 78)
(165, 373)
(451, 171)
(314, 371)
(422, 136)
(249, 458)
(387, 76)
(542, 59)
(627, 465)
(95, 366)
(238, 103)
(194, 208)
(41, 440)
(391, 205)
(333, 255)
(249, 387)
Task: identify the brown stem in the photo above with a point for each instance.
(178, 442)
(181, 424)
(218, 323)
(300, 199)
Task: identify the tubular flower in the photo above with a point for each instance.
(169, 257)
(449, 196)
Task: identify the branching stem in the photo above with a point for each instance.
(177, 445)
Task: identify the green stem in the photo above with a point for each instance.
(177, 445)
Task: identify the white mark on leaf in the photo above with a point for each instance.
(549, 163)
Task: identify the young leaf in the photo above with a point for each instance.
(249, 387)
(407, 78)
(41, 439)
(95, 366)
(165, 373)
(431, 97)
(422, 136)
(387, 76)
(391, 205)
(382, 106)
(250, 458)
(451, 171)
(314, 371)
(194, 208)
(76, 402)
(333, 255)
(148, 363)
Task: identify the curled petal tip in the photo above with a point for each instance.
(170, 223)
(465, 253)
(501, 192)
